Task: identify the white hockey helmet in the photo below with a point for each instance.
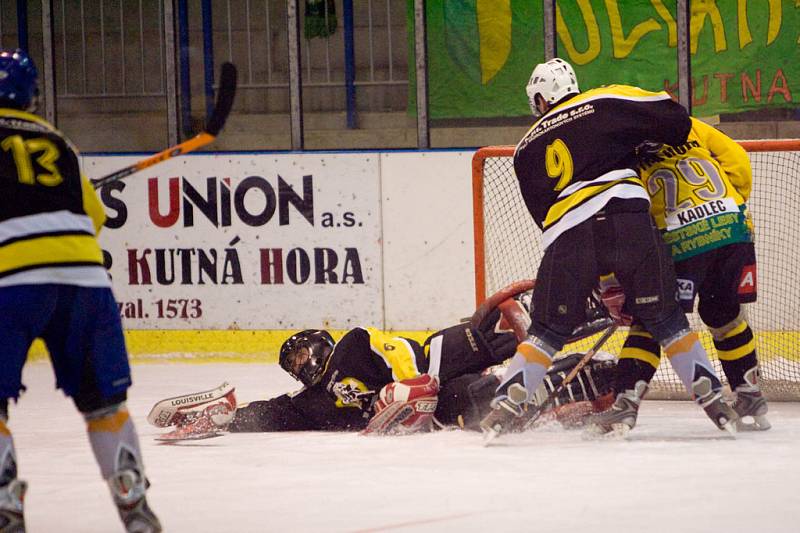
(553, 80)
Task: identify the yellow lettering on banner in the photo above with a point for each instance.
(672, 27)
(592, 34)
(700, 10)
(773, 27)
(494, 31)
(624, 45)
(775, 14)
(744, 27)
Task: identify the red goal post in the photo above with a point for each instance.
(508, 248)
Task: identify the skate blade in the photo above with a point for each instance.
(489, 435)
(617, 432)
(730, 427)
(759, 423)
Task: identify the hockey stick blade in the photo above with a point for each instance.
(225, 97)
(534, 416)
(227, 92)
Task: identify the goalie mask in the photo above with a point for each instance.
(304, 354)
(553, 80)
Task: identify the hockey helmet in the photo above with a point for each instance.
(554, 80)
(18, 79)
(304, 354)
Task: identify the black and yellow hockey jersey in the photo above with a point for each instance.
(49, 213)
(362, 362)
(698, 191)
(581, 154)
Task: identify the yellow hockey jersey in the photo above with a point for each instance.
(49, 213)
(698, 191)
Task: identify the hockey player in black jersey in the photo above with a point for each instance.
(576, 169)
(53, 285)
(383, 384)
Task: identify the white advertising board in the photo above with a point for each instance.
(245, 241)
(429, 270)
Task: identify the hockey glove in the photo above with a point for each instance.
(614, 300)
(499, 331)
(647, 152)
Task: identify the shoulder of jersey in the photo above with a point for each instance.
(624, 92)
(16, 114)
(28, 117)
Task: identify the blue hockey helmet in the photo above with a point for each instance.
(304, 354)
(18, 79)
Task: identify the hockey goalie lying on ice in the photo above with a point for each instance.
(372, 382)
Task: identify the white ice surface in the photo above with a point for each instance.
(675, 473)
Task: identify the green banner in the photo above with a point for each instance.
(745, 54)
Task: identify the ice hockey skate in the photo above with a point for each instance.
(621, 417)
(505, 414)
(750, 403)
(12, 497)
(128, 490)
(721, 413)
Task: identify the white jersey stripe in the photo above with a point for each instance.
(44, 223)
(589, 208)
(435, 355)
(82, 276)
(608, 176)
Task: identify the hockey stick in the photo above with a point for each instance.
(227, 92)
(536, 413)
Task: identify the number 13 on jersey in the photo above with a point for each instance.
(23, 149)
(558, 162)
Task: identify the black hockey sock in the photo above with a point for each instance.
(737, 353)
(638, 360)
(629, 371)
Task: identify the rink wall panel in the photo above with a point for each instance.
(359, 238)
(218, 256)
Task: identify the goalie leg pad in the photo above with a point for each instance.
(182, 409)
(405, 407)
(208, 420)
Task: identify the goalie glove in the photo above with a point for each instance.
(405, 407)
(498, 333)
(514, 305)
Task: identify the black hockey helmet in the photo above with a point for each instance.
(304, 354)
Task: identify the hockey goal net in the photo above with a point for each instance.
(508, 248)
